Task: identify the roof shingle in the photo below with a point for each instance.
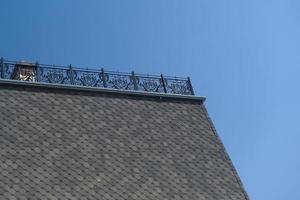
(62, 144)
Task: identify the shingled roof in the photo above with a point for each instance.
(82, 143)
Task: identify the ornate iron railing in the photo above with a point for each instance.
(54, 74)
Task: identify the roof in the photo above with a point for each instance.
(64, 143)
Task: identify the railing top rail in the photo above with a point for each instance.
(92, 77)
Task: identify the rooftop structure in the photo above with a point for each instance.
(64, 141)
(53, 74)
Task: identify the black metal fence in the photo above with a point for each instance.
(53, 74)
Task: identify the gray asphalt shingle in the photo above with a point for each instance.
(61, 144)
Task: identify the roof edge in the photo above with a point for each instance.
(103, 90)
(227, 157)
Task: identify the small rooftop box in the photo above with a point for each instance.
(24, 71)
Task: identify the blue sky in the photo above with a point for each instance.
(242, 55)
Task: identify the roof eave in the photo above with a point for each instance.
(103, 90)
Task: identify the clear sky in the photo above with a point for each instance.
(244, 56)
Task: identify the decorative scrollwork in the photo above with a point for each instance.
(88, 79)
(150, 84)
(119, 81)
(178, 87)
(55, 76)
(8, 70)
(96, 78)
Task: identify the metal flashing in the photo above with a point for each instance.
(104, 90)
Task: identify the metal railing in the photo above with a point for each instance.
(54, 74)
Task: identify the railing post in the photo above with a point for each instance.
(71, 75)
(134, 80)
(37, 72)
(103, 78)
(190, 85)
(2, 67)
(163, 83)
